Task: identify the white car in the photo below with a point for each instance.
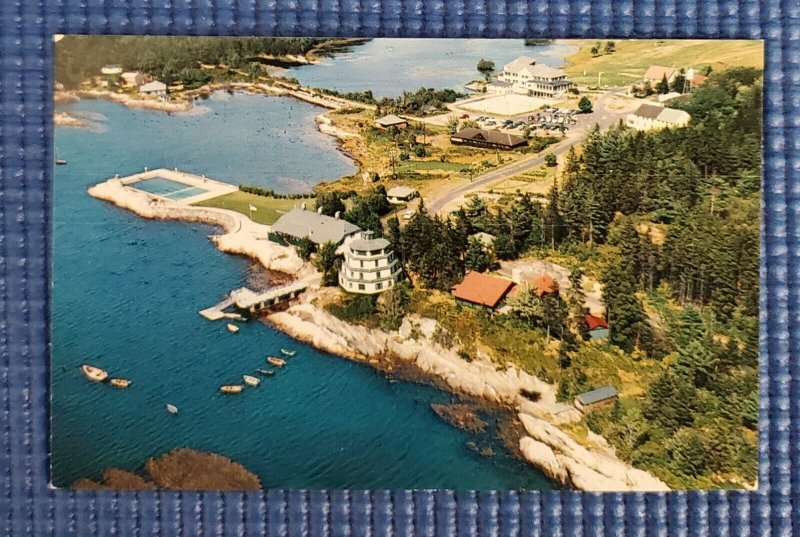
(408, 215)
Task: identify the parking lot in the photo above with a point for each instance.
(546, 119)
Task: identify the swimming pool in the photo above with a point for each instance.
(168, 188)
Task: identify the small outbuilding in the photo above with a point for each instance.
(596, 326)
(588, 401)
(390, 121)
(482, 290)
(400, 194)
(111, 70)
(132, 79)
(159, 89)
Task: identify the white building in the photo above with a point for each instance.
(654, 116)
(111, 70)
(132, 79)
(369, 266)
(156, 88)
(527, 77)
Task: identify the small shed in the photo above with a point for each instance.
(154, 88)
(482, 290)
(400, 194)
(391, 120)
(588, 401)
(596, 326)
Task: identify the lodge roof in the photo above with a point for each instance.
(492, 137)
(482, 289)
(319, 228)
(597, 396)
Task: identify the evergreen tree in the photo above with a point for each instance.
(553, 222)
(663, 86)
(477, 257)
(328, 263)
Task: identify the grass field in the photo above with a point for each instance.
(431, 165)
(268, 210)
(633, 57)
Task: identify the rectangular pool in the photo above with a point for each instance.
(168, 188)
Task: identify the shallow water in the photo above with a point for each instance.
(390, 66)
(126, 292)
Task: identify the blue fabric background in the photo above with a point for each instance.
(29, 507)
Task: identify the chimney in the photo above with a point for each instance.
(336, 216)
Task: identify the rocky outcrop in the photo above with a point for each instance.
(545, 446)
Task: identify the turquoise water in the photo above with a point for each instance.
(168, 188)
(390, 66)
(126, 292)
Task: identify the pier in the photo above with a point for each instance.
(245, 299)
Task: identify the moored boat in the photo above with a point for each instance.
(274, 360)
(250, 380)
(288, 353)
(120, 383)
(232, 328)
(172, 409)
(61, 162)
(265, 372)
(95, 374)
(234, 388)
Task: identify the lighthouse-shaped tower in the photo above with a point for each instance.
(369, 266)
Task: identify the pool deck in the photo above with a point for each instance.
(212, 187)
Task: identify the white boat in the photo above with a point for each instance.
(95, 374)
(251, 381)
(232, 328)
(235, 388)
(288, 353)
(172, 409)
(277, 362)
(120, 383)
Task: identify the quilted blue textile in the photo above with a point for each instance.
(29, 507)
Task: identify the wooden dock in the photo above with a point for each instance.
(245, 299)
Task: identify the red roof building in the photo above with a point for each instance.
(545, 285)
(482, 289)
(593, 323)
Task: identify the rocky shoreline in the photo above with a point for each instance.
(591, 467)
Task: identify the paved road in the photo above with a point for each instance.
(603, 116)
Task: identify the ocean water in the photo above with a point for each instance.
(390, 66)
(126, 292)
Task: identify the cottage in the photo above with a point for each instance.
(390, 121)
(588, 401)
(369, 266)
(596, 326)
(657, 73)
(487, 139)
(132, 79)
(318, 228)
(400, 194)
(159, 89)
(652, 116)
(527, 77)
(482, 290)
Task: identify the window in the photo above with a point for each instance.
(360, 286)
(362, 264)
(378, 286)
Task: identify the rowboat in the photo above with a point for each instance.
(288, 353)
(61, 162)
(265, 372)
(277, 362)
(172, 409)
(95, 374)
(120, 383)
(250, 380)
(235, 388)
(232, 328)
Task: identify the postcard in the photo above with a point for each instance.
(310, 263)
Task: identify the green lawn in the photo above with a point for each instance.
(430, 165)
(268, 210)
(632, 58)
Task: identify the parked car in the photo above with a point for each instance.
(408, 215)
